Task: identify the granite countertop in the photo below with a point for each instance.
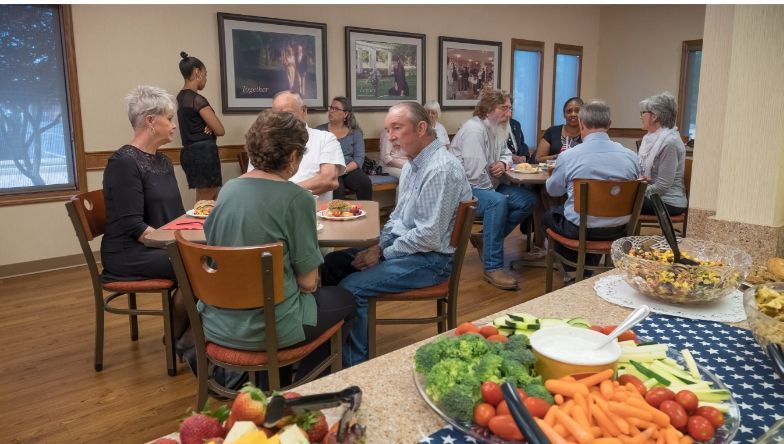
(392, 408)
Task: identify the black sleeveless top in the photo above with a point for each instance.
(189, 103)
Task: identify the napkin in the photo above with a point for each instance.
(184, 224)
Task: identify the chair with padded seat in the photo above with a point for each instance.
(243, 160)
(88, 216)
(241, 278)
(650, 220)
(598, 198)
(444, 294)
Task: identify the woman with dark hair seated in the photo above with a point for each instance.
(343, 125)
(275, 144)
(559, 138)
(662, 154)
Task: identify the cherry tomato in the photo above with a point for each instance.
(713, 415)
(700, 428)
(483, 412)
(521, 393)
(491, 393)
(678, 416)
(635, 381)
(498, 338)
(502, 409)
(628, 335)
(466, 327)
(688, 400)
(537, 406)
(488, 330)
(598, 328)
(504, 427)
(607, 329)
(656, 395)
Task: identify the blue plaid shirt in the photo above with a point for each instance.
(431, 187)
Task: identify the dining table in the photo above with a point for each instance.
(394, 411)
(519, 178)
(358, 232)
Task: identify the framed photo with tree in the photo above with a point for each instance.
(384, 67)
(261, 56)
(465, 68)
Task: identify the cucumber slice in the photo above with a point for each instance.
(501, 321)
(523, 317)
(579, 322)
(642, 368)
(506, 331)
(691, 365)
(552, 322)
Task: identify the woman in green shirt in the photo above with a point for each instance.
(262, 207)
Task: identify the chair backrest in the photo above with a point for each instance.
(243, 160)
(461, 233)
(608, 198)
(88, 217)
(687, 177)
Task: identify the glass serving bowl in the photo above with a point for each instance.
(766, 330)
(721, 271)
(723, 434)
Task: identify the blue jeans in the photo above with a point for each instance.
(502, 210)
(388, 276)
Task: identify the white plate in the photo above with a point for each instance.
(531, 171)
(192, 213)
(323, 214)
(319, 227)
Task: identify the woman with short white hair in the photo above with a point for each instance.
(434, 111)
(662, 154)
(140, 191)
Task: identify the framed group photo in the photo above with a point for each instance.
(384, 67)
(262, 56)
(465, 68)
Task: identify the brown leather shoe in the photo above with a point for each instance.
(501, 279)
(478, 242)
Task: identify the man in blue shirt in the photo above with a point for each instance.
(597, 157)
(414, 250)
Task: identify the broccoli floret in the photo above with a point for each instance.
(517, 372)
(489, 368)
(447, 373)
(537, 390)
(469, 346)
(459, 401)
(429, 354)
(519, 348)
(517, 342)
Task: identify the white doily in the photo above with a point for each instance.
(615, 290)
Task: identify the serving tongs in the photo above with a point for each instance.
(525, 422)
(777, 358)
(669, 232)
(280, 407)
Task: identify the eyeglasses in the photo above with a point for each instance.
(644, 112)
(332, 108)
(505, 108)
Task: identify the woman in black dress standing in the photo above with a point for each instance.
(199, 128)
(140, 191)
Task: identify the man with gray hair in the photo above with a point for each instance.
(597, 157)
(414, 250)
(323, 161)
(480, 145)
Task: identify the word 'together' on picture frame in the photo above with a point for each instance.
(262, 56)
(384, 68)
(466, 68)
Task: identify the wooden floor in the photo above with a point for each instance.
(51, 394)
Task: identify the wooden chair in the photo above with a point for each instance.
(599, 198)
(243, 160)
(444, 294)
(650, 220)
(88, 216)
(241, 278)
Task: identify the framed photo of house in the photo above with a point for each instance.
(261, 56)
(465, 68)
(384, 68)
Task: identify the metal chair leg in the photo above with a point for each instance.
(548, 286)
(132, 317)
(440, 313)
(371, 327)
(336, 347)
(98, 364)
(168, 334)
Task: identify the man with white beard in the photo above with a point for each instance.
(480, 145)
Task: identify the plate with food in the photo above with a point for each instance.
(526, 168)
(338, 209)
(201, 209)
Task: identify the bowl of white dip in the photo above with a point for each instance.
(564, 351)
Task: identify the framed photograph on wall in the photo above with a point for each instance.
(466, 67)
(262, 56)
(384, 67)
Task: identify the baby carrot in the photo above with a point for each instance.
(626, 410)
(604, 422)
(597, 432)
(607, 441)
(686, 439)
(559, 399)
(583, 436)
(599, 400)
(597, 378)
(578, 414)
(606, 388)
(568, 378)
(620, 396)
(561, 430)
(550, 432)
(658, 417)
(565, 388)
(549, 417)
(579, 399)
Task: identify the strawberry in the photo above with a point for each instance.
(200, 427)
(314, 424)
(249, 405)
